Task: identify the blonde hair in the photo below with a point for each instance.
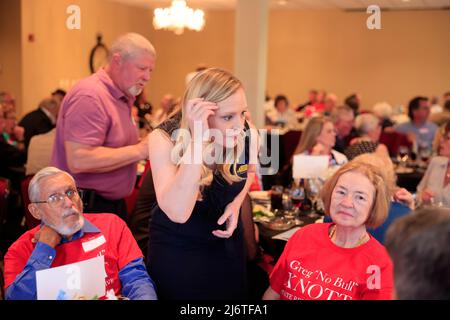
(309, 136)
(213, 85)
(383, 192)
(380, 161)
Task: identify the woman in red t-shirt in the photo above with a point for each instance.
(340, 260)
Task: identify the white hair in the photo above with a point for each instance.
(331, 96)
(366, 122)
(130, 44)
(34, 186)
(382, 110)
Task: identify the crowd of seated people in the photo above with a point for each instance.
(81, 163)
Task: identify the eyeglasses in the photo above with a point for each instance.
(57, 199)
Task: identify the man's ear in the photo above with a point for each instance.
(35, 212)
(116, 59)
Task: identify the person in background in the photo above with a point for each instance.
(162, 114)
(192, 74)
(369, 130)
(10, 155)
(12, 133)
(7, 101)
(59, 95)
(96, 138)
(40, 152)
(418, 245)
(282, 116)
(144, 110)
(419, 130)
(60, 239)
(354, 102)
(339, 260)
(434, 105)
(343, 119)
(12, 160)
(41, 120)
(434, 188)
(384, 112)
(329, 104)
(317, 108)
(318, 139)
(312, 99)
(442, 117)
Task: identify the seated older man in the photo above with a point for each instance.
(60, 237)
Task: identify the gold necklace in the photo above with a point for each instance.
(364, 238)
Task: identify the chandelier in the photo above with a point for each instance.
(178, 17)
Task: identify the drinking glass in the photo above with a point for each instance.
(276, 198)
(403, 152)
(313, 191)
(424, 153)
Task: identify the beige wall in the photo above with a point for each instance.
(179, 55)
(59, 57)
(10, 49)
(330, 50)
(335, 51)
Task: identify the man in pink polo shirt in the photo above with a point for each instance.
(96, 137)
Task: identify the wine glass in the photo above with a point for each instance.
(314, 185)
(297, 195)
(403, 152)
(424, 154)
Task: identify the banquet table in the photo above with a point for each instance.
(275, 247)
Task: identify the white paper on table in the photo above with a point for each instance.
(85, 278)
(286, 235)
(306, 166)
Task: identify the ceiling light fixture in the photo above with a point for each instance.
(178, 17)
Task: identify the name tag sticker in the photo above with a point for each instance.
(92, 244)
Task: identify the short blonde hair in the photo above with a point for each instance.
(381, 201)
(380, 161)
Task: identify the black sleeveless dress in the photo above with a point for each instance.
(186, 261)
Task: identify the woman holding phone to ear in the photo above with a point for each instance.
(201, 174)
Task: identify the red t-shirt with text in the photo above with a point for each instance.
(312, 267)
(114, 241)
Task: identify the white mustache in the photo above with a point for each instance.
(69, 212)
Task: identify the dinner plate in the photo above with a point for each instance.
(279, 225)
(259, 195)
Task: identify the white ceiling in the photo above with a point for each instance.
(302, 4)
